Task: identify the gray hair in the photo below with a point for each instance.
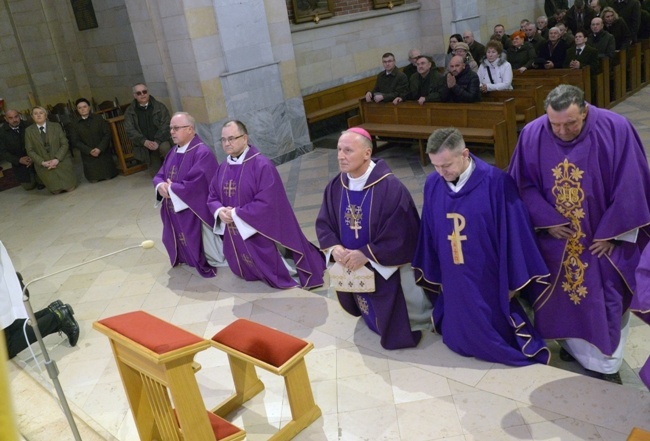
(190, 119)
(563, 96)
(448, 138)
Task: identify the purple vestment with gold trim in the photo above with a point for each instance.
(388, 221)
(599, 185)
(254, 188)
(190, 173)
(475, 246)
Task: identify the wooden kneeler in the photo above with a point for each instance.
(155, 360)
(249, 344)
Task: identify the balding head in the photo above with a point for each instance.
(354, 152)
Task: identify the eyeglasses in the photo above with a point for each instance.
(230, 139)
(177, 128)
(141, 92)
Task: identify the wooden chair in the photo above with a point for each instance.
(123, 147)
(249, 344)
(155, 361)
(108, 109)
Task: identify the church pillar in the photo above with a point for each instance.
(225, 59)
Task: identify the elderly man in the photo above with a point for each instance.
(542, 26)
(367, 223)
(425, 85)
(390, 84)
(411, 68)
(462, 85)
(553, 53)
(146, 122)
(12, 150)
(252, 211)
(476, 248)
(583, 174)
(475, 48)
(57, 317)
(601, 40)
(182, 188)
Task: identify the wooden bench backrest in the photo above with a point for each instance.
(334, 95)
(525, 98)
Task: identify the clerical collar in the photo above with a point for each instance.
(183, 148)
(357, 184)
(463, 178)
(239, 159)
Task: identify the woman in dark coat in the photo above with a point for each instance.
(90, 134)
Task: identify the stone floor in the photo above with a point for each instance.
(365, 392)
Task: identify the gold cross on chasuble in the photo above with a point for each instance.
(456, 238)
(173, 172)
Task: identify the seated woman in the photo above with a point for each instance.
(47, 145)
(91, 135)
(521, 55)
(453, 41)
(462, 50)
(495, 73)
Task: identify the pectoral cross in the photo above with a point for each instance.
(456, 238)
(353, 219)
(173, 172)
(230, 188)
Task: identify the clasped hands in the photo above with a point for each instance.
(599, 248)
(163, 189)
(151, 145)
(350, 259)
(51, 164)
(225, 214)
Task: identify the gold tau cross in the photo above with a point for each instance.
(173, 172)
(455, 238)
(230, 188)
(353, 216)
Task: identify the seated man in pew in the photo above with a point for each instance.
(553, 53)
(582, 55)
(390, 84)
(542, 26)
(425, 84)
(533, 37)
(412, 66)
(601, 40)
(617, 27)
(462, 84)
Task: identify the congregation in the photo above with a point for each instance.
(402, 274)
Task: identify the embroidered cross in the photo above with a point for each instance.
(247, 259)
(181, 239)
(456, 238)
(230, 188)
(232, 229)
(173, 172)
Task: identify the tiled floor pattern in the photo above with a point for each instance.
(365, 392)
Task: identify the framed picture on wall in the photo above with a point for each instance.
(378, 4)
(312, 10)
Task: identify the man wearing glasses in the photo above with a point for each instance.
(146, 122)
(182, 187)
(262, 239)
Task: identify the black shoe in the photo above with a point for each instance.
(565, 356)
(54, 306)
(612, 378)
(69, 325)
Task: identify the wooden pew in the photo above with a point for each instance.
(336, 100)
(577, 77)
(635, 56)
(529, 102)
(123, 147)
(645, 62)
(482, 123)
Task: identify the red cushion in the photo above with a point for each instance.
(221, 428)
(260, 342)
(151, 332)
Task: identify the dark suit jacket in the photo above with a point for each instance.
(556, 55)
(588, 57)
(12, 148)
(571, 19)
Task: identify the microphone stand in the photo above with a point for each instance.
(50, 365)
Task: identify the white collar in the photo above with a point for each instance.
(357, 184)
(241, 158)
(464, 177)
(183, 148)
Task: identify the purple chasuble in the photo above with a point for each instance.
(474, 247)
(389, 223)
(599, 185)
(190, 173)
(641, 302)
(254, 188)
